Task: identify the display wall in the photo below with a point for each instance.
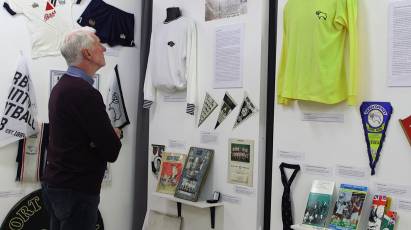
(116, 196)
(171, 126)
(337, 143)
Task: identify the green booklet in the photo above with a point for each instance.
(318, 204)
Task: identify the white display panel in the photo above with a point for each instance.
(339, 145)
(170, 126)
(15, 38)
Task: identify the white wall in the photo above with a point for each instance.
(329, 144)
(168, 121)
(14, 37)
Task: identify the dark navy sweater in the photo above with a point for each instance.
(82, 139)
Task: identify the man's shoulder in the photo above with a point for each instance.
(79, 84)
(74, 87)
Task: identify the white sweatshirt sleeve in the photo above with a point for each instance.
(149, 90)
(191, 68)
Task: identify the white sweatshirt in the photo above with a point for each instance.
(172, 61)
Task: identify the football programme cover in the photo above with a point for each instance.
(318, 204)
(170, 172)
(348, 207)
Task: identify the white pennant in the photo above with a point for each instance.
(19, 119)
(208, 107)
(115, 105)
(247, 110)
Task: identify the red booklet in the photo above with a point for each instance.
(406, 126)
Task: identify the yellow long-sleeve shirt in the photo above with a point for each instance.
(312, 59)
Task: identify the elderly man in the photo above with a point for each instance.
(82, 139)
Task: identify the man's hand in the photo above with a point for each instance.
(119, 132)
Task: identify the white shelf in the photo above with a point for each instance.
(307, 227)
(198, 204)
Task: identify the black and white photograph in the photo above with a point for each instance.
(216, 9)
(240, 168)
(156, 156)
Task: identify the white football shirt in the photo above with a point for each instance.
(48, 22)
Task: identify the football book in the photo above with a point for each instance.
(170, 172)
(318, 204)
(380, 203)
(388, 221)
(348, 207)
(194, 173)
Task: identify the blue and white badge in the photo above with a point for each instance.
(375, 117)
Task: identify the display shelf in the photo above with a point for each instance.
(198, 204)
(307, 227)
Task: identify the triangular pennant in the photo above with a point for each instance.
(19, 119)
(226, 108)
(406, 127)
(208, 107)
(49, 6)
(375, 117)
(116, 108)
(247, 109)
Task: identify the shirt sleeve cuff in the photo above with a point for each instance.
(190, 109)
(282, 100)
(351, 100)
(147, 104)
(9, 10)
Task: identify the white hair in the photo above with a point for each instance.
(74, 42)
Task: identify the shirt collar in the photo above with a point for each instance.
(77, 72)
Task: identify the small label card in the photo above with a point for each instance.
(324, 117)
(318, 170)
(404, 205)
(230, 198)
(351, 172)
(11, 193)
(112, 51)
(392, 189)
(175, 97)
(290, 155)
(176, 144)
(208, 137)
(244, 190)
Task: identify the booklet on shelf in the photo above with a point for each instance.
(318, 203)
(380, 203)
(348, 207)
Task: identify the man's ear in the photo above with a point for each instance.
(86, 54)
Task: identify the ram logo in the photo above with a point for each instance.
(321, 15)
